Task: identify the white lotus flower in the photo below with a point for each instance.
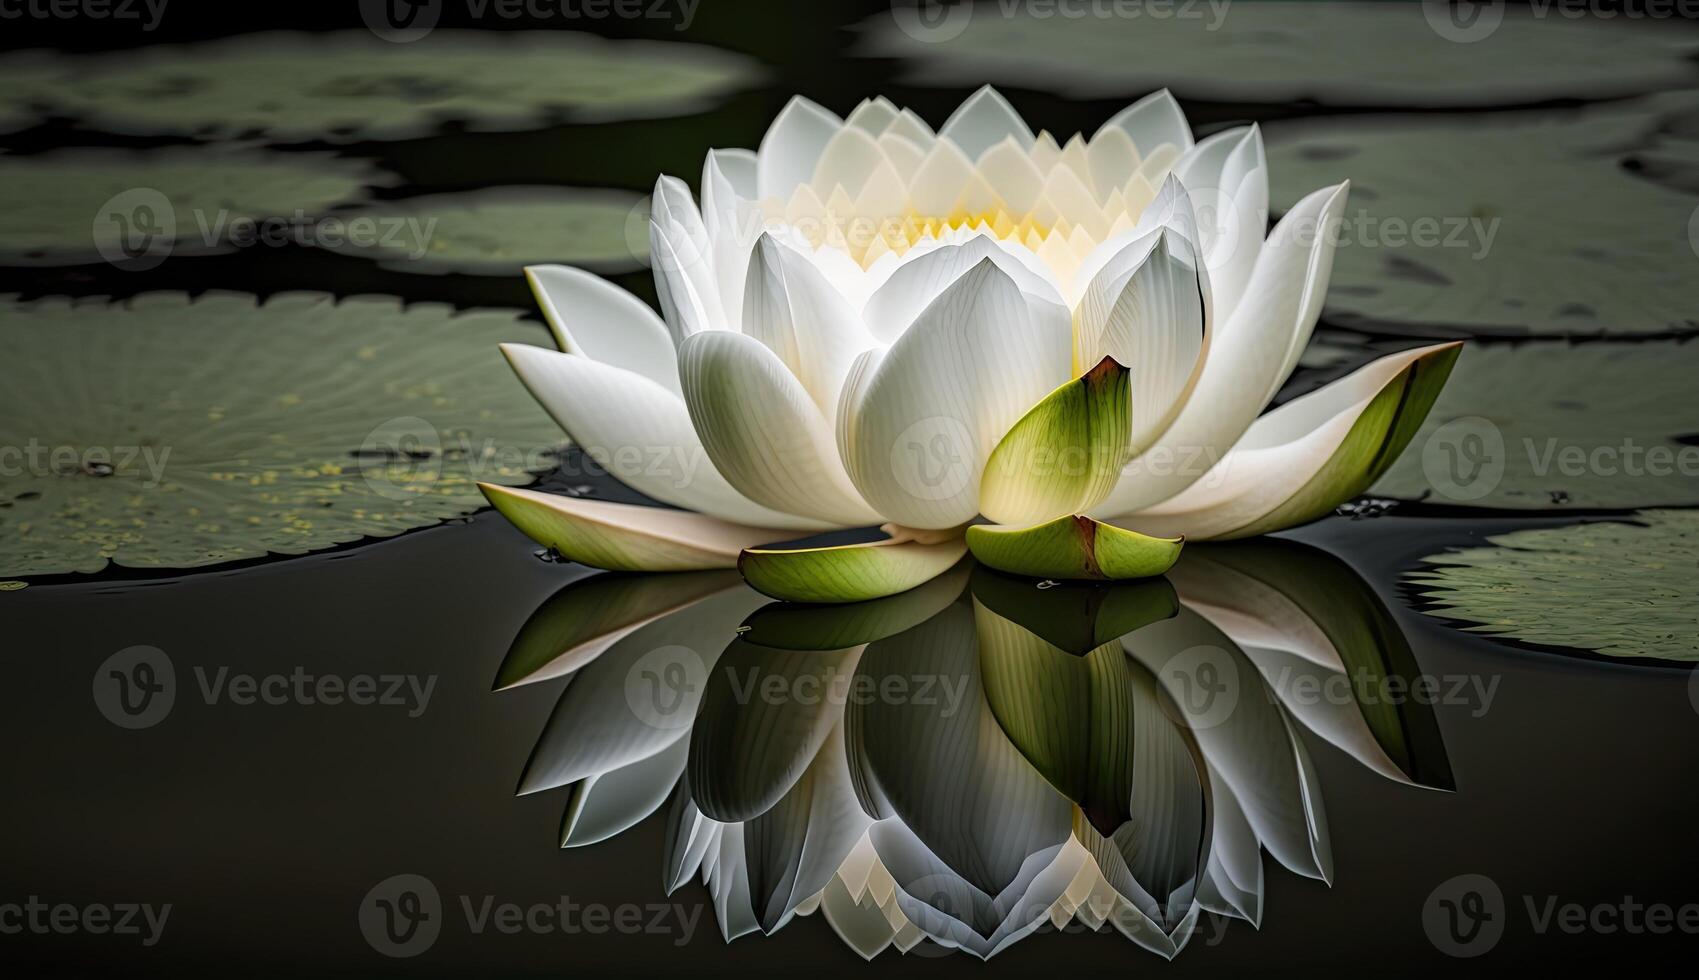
(869, 322)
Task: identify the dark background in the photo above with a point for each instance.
(265, 826)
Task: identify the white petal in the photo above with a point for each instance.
(1154, 320)
(1226, 176)
(926, 273)
(1111, 159)
(640, 432)
(872, 115)
(792, 146)
(1251, 355)
(935, 187)
(1279, 455)
(849, 158)
(733, 219)
(674, 212)
(984, 120)
(791, 308)
(608, 804)
(1152, 121)
(934, 407)
(593, 317)
(763, 432)
(1010, 172)
(684, 308)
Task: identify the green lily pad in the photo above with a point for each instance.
(166, 432)
(1615, 588)
(1498, 226)
(1334, 53)
(1072, 548)
(75, 206)
(1601, 424)
(352, 85)
(499, 232)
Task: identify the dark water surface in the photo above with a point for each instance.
(265, 826)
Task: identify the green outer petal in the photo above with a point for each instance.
(1364, 633)
(625, 537)
(847, 573)
(1376, 439)
(1076, 617)
(585, 617)
(799, 626)
(1065, 454)
(1073, 548)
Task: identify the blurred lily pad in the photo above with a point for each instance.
(498, 232)
(1500, 226)
(1599, 424)
(74, 206)
(1334, 53)
(172, 433)
(1615, 588)
(350, 85)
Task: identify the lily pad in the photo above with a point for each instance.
(76, 206)
(1529, 224)
(1615, 588)
(1600, 424)
(1344, 54)
(352, 85)
(166, 432)
(499, 232)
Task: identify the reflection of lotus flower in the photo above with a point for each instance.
(871, 323)
(991, 761)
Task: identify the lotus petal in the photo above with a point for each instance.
(762, 431)
(800, 626)
(983, 120)
(624, 537)
(1072, 548)
(583, 619)
(847, 573)
(1253, 354)
(1065, 454)
(1300, 461)
(589, 315)
(1076, 617)
(610, 803)
(640, 433)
